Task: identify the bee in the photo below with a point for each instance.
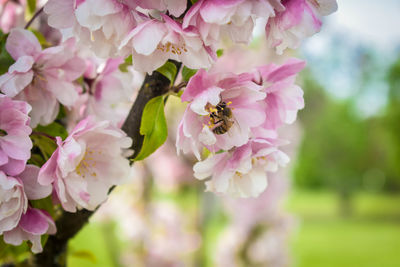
(221, 118)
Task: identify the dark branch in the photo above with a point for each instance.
(154, 85)
(69, 224)
(33, 18)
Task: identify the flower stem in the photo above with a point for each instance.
(33, 18)
(178, 87)
(45, 135)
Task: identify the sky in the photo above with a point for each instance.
(335, 53)
(372, 21)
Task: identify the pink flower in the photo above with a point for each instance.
(33, 224)
(241, 172)
(222, 111)
(15, 144)
(14, 195)
(98, 24)
(13, 202)
(108, 93)
(247, 213)
(170, 236)
(284, 98)
(175, 7)
(87, 164)
(235, 18)
(301, 19)
(266, 244)
(11, 14)
(153, 42)
(42, 78)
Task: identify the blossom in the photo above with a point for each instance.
(98, 24)
(87, 164)
(14, 195)
(242, 172)
(258, 228)
(264, 245)
(13, 202)
(15, 144)
(43, 78)
(222, 111)
(300, 19)
(108, 92)
(33, 224)
(11, 14)
(170, 236)
(155, 41)
(234, 18)
(174, 7)
(284, 98)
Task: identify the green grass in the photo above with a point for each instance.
(322, 238)
(92, 247)
(368, 238)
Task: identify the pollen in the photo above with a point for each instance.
(173, 48)
(87, 164)
(239, 174)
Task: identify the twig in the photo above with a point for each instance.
(177, 88)
(34, 17)
(45, 135)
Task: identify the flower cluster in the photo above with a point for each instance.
(149, 31)
(258, 231)
(298, 20)
(85, 165)
(64, 95)
(43, 78)
(18, 182)
(236, 117)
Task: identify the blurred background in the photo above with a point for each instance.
(336, 205)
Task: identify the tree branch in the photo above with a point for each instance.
(69, 224)
(34, 17)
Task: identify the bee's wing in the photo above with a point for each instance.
(234, 124)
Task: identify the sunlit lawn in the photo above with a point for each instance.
(369, 238)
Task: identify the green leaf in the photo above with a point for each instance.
(37, 160)
(84, 254)
(54, 129)
(62, 113)
(45, 145)
(220, 151)
(42, 40)
(220, 52)
(5, 59)
(169, 70)
(153, 127)
(187, 73)
(124, 66)
(194, 1)
(31, 7)
(15, 254)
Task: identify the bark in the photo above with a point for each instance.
(55, 251)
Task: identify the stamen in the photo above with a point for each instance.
(239, 174)
(87, 164)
